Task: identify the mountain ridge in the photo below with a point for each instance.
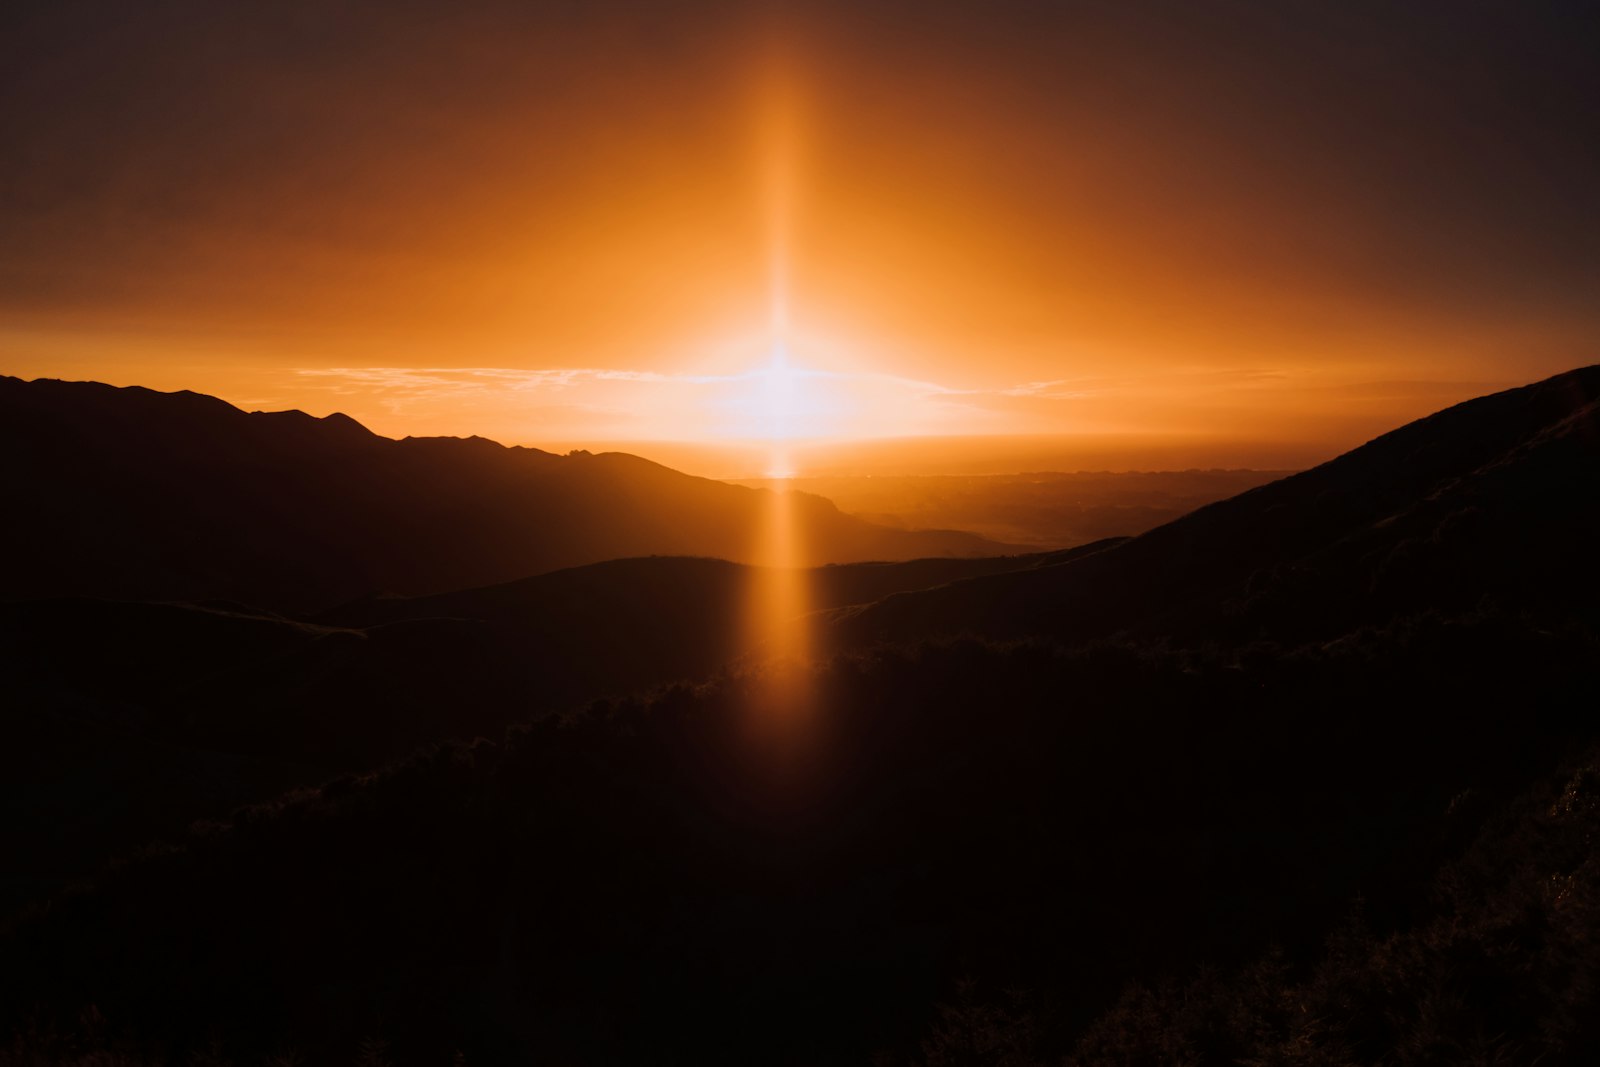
(136, 494)
(1396, 502)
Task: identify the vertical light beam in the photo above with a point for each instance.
(779, 587)
(779, 137)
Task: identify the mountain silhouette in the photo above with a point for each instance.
(1497, 498)
(1190, 752)
(133, 494)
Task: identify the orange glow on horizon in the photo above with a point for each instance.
(605, 230)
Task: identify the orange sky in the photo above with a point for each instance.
(549, 224)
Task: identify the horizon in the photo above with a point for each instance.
(931, 454)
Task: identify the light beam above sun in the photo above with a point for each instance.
(779, 150)
(792, 402)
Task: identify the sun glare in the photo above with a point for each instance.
(779, 386)
(793, 403)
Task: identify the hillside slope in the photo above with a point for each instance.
(1498, 497)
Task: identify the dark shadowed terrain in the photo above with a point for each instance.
(1305, 777)
(133, 719)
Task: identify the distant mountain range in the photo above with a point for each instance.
(1048, 509)
(135, 494)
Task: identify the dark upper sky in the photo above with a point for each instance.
(1120, 216)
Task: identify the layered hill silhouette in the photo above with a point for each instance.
(133, 494)
(187, 710)
(1493, 498)
(1160, 760)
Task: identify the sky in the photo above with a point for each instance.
(1295, 224)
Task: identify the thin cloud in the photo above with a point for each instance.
(619, 403)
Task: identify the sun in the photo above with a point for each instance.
(781, 398)
(782, 404)
(793, 402)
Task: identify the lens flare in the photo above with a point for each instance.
(778, 589)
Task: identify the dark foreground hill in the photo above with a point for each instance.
(1204, 749)
(689, 880)
(134, 494)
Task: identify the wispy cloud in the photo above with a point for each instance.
(578, 403)
(823, 402)
(434, 381)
